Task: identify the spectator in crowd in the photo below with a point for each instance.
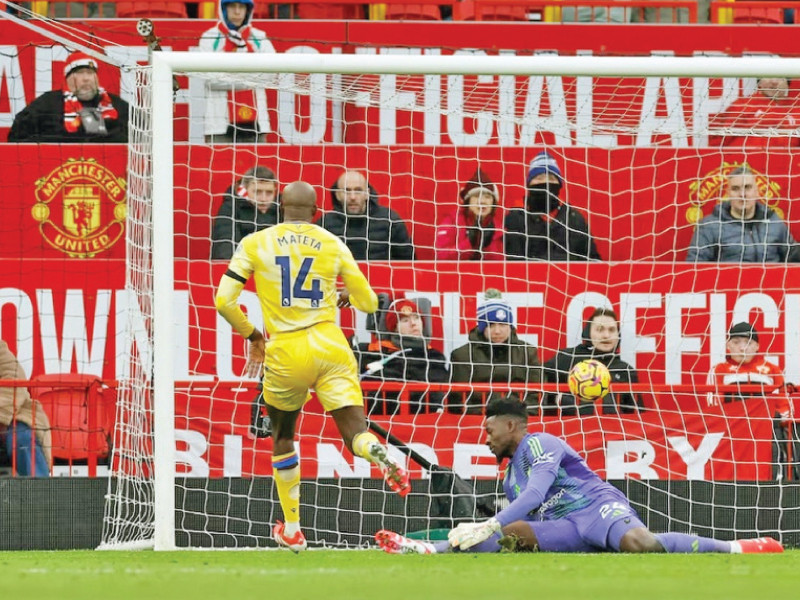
(24, 426)
(84, 112)
(741, 229)
(247, 206)
(601, 343)
(472, 233)
(494, 353)
(547, 228)
(402, 353)
(769, 117)
(235, 113)
(371, 231)
(744, 366)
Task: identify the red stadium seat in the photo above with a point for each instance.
(151, 10)
(81, 423)
(743, 15)
(413, 12)
(467, 11)
(336, 12)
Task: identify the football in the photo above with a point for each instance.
(589, 380)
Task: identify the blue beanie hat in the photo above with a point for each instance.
(544, 163)
(494, 311)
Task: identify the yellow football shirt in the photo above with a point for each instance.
(296, 267)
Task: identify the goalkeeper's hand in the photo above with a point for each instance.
(466, 535)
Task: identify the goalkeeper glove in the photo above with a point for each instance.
(466, 535)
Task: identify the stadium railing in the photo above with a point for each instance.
(80, 419)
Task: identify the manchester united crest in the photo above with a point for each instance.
(80, 207)
(711, 187)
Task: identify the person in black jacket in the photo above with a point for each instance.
(547, 228)
(248, 206)
(600, 342)
(401, 353)
(83, 113)
(494, 353)
(371, 231)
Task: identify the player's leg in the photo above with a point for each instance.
(339, 392)
(640, 539)
(285, 392)
(684, 543)
(559, 535)
(286, 473)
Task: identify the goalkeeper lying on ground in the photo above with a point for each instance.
(557, 504)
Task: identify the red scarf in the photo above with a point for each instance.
(242, 108)
(73, 106)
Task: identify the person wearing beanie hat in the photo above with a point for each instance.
(547, 228)
(400, 352)
(472, 232)
(493, 353)
(235, 114)
(744, 366)
(83, 112)
(600, 342)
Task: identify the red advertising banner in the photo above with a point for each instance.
(640, 203)
(719, 445)
(68, 315)
(557, 111)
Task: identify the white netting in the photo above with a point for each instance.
(636, 159)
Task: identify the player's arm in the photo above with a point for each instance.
(545, 457)
(358, 292)
(226, 301)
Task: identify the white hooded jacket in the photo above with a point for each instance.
(215, 117)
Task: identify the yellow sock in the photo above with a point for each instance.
(361, 443)
(286, 472)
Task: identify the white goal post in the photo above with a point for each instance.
(151, 234)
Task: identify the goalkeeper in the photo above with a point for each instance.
(296, 266)
(557, 504)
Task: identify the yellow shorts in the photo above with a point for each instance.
(317, 357)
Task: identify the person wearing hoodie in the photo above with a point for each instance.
(247, 206)
(235, 113)
(371, 231)
(547, 228)
(494, 353)
(600, 342)
(401, 353)
(472, 233)
(742, 229)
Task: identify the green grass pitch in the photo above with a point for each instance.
(371, 574)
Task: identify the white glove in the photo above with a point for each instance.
(466, 535)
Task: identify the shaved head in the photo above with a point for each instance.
(299, 202)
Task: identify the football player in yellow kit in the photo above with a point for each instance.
(296, 266)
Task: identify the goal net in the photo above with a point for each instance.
(643, 149)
